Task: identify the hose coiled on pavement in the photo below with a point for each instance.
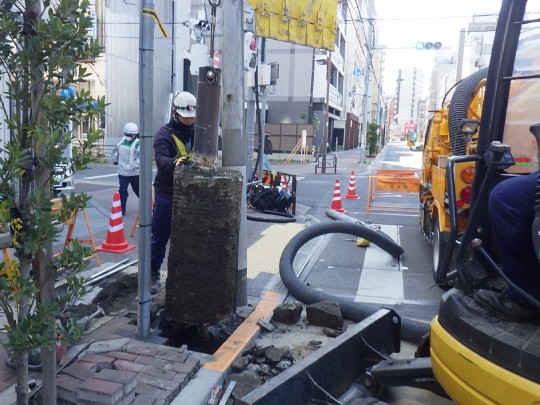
(411, 330)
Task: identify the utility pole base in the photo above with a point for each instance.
(203, 255)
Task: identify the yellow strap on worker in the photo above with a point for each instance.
(182, 149)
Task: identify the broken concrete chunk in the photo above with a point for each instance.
(325, 313)
(288, 312)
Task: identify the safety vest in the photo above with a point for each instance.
(182, 148)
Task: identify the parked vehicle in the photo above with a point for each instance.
(450, 131)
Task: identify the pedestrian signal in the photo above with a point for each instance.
(250, 51)
(428, 45)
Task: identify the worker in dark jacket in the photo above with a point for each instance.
(511, 213)
(172, 145)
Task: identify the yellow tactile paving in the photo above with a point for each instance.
(262, 256)
(243, 335)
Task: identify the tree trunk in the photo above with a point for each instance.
(21, 359)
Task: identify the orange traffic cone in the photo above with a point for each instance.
(351, 191)
(115, 241)
(336, 199)
(283, 182)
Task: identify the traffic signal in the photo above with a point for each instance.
(428, 45)
(250, 51)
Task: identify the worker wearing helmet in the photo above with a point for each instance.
(128, 163)
(172, 146)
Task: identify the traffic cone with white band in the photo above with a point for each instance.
(115, 241)
(336, 199)
(351, 191)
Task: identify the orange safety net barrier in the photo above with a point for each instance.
(393, 191)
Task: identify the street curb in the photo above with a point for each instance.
(213, 373)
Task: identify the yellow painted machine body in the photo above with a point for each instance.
(471, 379)
(437, 150)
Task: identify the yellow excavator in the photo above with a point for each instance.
(486, 135)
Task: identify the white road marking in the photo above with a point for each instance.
(100, 177)
(381, 280)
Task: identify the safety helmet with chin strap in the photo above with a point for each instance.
(131, 129)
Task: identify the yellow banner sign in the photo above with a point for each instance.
(304, 22)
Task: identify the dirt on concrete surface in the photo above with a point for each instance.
(301, 338)
(117, 294)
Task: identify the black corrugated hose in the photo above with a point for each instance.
(411, 330)
(459, 106)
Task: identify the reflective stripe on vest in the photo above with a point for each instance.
(182, 149)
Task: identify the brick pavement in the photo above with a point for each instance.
(133, 372)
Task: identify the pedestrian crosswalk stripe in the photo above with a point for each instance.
(381, 280)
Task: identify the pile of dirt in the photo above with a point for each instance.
(117, 294)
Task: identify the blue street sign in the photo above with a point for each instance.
(356, 72)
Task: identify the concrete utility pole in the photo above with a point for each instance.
(146, 107)
(234, 139)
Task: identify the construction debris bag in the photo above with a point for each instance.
(264, 198)
(284, 200)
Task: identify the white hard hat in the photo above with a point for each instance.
(184, 104)
(131, 129)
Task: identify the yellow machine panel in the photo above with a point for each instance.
(471, 379)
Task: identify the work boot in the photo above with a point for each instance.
(503, 307)
(156, 286)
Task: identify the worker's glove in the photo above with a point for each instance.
(181, 161)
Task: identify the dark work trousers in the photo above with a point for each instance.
(511, 213)
(161, 231)
(125, 181)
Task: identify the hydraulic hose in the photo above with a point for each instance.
(411, 330)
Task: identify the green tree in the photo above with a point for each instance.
(44, 50)
(372, 138)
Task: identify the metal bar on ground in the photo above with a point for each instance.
(112, 272)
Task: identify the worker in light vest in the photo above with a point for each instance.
(128, 163)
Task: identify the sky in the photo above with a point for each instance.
(403, 23)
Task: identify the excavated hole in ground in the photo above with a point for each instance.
(119, 292)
